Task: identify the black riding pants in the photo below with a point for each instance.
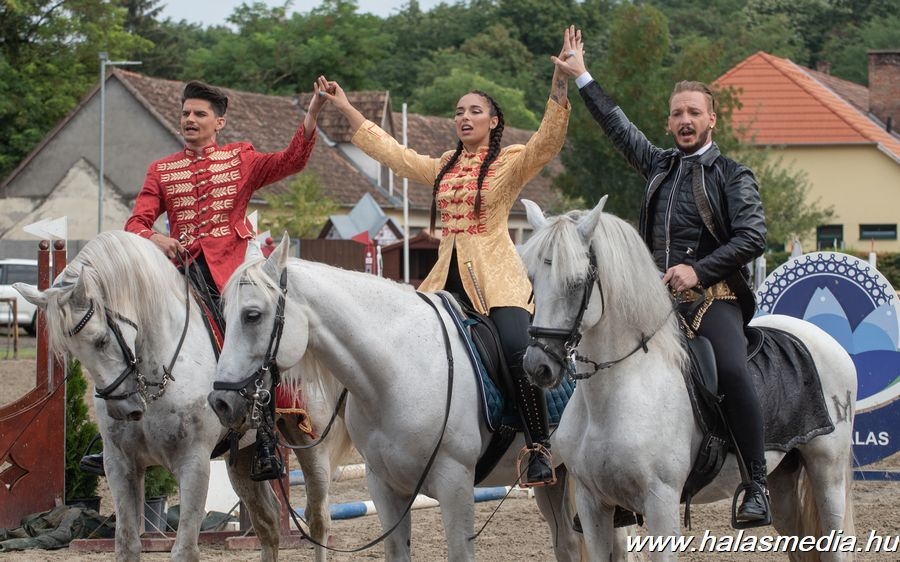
(723, 326)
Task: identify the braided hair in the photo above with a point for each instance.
(496, 136)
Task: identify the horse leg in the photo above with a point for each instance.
(597, 524)
(261, 502)
(192, 473)
(828, 479)
(661, 510)
(556, 506)
(390, 507)
(125, 480)
(316, 466)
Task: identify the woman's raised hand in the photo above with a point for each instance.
(571, 57)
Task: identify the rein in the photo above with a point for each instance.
(131, 359)
(572, 337)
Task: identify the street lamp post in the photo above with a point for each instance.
(103, 64)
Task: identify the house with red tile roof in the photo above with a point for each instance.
(60, 177)
(843, 136)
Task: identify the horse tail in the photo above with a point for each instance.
(806, 521)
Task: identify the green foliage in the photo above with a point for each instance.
(302, 211)
(80, 430)
(159, 482)
(48, 62)
(441, 96)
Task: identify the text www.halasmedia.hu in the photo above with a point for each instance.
(835, 541)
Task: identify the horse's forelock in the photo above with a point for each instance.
(248, 273)
(561, 244)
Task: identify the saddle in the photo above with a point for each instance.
(790, 395)
(495, 384)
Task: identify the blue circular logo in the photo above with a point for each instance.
(852, 301)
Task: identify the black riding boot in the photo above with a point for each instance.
(532, 405)
(267, 463)
(755, 507)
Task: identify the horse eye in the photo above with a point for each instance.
(101, 342)
(251, 316)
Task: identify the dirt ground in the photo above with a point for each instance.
(515, 532)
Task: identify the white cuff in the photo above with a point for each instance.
(583, 79)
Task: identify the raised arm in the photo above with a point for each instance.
(572, 47)
(333, 92)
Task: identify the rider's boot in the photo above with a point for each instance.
(267, 463)
(755, 506)
(92, 463)
(532, 405)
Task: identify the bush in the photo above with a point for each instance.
(80, 430)
(159, 482)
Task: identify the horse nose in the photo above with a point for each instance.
(125, 411)
(220, 402)
(537, 369)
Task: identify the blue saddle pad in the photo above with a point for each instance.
(494, 407)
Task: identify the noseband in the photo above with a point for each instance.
(252, 387)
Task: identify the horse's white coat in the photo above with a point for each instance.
(384, 343)
(628, 435)
(130, 281)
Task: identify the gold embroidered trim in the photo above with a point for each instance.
(718, 292)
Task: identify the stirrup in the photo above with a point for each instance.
(542, 451)
(746, 487)
(266, 463)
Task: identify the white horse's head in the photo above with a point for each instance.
(255, 310)
(115, 284)
(558, 257)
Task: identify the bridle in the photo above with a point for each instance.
(131, 359)
(253, 388)
(572, 337)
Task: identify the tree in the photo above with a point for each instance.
(301, 211)
(441, 96)
(48, 62)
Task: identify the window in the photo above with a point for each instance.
(829, 236)
(878, 232)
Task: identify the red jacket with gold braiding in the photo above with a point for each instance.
(205, 196)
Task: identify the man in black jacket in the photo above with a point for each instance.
(702, 219)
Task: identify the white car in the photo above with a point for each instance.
(14, 271)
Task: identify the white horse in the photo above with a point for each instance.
(413, 408)
(123, 310)
(629, 435)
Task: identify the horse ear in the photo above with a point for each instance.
(253, 251)
(32, 294)
(277, 260)
(535, 215)
(588, 224)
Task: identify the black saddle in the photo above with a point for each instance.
(790, 395)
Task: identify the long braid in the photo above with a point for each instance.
(437, 181)
(493, 148)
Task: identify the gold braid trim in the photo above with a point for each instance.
(718, 292)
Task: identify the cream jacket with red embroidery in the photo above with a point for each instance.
(205, 196)
(491, 270)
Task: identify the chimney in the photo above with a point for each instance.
(884, 86)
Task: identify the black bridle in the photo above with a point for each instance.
(131, 358)
(572, 337)
(253, 388)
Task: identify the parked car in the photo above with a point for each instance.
(14, 271)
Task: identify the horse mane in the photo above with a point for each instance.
(121, 272)
(632, 291)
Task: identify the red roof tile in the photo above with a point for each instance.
(784, 103)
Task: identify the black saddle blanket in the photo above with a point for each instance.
(790, 392)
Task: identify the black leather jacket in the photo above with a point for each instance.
(726, 196)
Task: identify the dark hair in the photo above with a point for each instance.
(493, 152)
(200, 91)
(694, 86)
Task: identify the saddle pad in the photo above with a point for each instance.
(493, 404)
(790, 392)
